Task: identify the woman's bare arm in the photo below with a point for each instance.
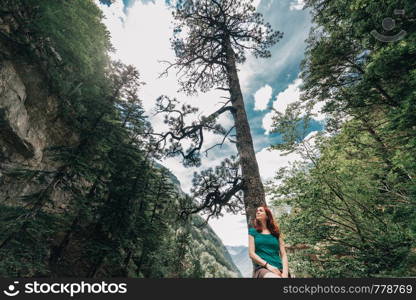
(283, 256)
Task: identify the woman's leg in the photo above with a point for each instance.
(264, 273)
(271, 275)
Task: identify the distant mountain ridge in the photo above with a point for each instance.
(239, 255)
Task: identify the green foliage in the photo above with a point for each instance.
(344, 212)
(20, 231)
(355, 216)
(76, 32)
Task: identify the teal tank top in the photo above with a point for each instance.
(267, 247)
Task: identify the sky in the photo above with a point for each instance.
(140, 32)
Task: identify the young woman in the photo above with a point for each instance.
(265, 242)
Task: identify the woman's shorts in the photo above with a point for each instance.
(260, 271)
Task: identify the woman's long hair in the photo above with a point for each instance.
(270, 223)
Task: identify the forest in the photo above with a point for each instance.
(82, 192)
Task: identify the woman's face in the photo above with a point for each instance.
(261, 213)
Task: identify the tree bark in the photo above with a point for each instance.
(253, 189)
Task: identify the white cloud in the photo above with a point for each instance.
(297, 5)
(281, 102)
(311, 135)
(288, 96)
(262, 97)
(232, 229)
(247, 71)
(316, 111)
(310, 140)
(272, 160)
(267, 122)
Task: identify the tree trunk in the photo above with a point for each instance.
(253, 187)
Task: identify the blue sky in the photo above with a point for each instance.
(140, 32)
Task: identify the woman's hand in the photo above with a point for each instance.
(285, 274)
(274, 270)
